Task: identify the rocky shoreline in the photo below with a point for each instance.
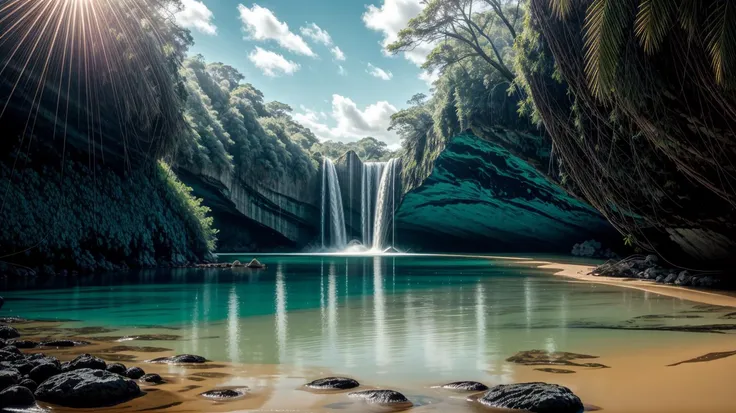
(649, 268)
(29, 376)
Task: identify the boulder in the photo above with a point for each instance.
(254, 263)
(465, 386)
(28, 384)
(684, 278)
(63, 343)
(390, 397)
(533, 397)
(7, 332)
(225, 394)
(16, 396)
(117, 368)
(670, 278)
(87, 388)
(10, 356)
(39, 374)
(23, 343)
(152, 378)
(9, 377)
(706, 281)
(651, 260)
(330, 383)
(179, 359)
(135, 373)
(12, 349)
(84, 361)
(652, 273)
(237, 263)
(38, 359)
(22, 366)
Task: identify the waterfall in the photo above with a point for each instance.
(385, 206)
(371, 178)
(331, 190)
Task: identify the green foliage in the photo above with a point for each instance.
(232, 129)
(98, 218)
(194, 213)
(464, 29)
(709, 24)
(368, 149)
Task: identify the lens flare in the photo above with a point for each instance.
(99, 69)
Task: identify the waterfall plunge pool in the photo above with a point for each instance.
(405, 321)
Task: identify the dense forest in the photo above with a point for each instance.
(627, 104)
(633, 102)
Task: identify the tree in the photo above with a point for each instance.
(462, 29)
(278, 109)
(709, 24)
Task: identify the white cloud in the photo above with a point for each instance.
(429, 77)
(272, 64)
(341, 70)
(261, 24)
(379, 73)
(390, 18)
(317, 34)
(195, 15)
(351, 122)
(321, 36)
(339, 55)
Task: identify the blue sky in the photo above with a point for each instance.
(325, 58)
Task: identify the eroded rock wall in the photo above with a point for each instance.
(286, 209)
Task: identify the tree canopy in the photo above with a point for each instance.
(369, 149)
(230, 127)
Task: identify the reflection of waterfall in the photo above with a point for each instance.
(281, 320)
(372, 172)
(233, 326)
(385, 207)
(379, 314)
(332, 208)
(332, 309)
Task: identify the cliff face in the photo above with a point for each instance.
(655, 153)
(263, 214)
(481, 197)
(349, 169)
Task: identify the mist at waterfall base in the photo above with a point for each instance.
(377, 210)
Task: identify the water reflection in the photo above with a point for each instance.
(233, 326)
(392, 318)
(379, 315)
(281, 320)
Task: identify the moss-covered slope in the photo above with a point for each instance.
(481, 197)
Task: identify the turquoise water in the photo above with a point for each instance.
(389, 318)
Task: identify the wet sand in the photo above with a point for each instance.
(640, 381)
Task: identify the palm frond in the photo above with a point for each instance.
(606, 24)
(720, 29)
(561, 8)
(688, 13)
(653, 22)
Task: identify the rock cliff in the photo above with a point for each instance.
(478, 196)
(258, 214)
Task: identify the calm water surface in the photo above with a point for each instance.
(390, 319)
